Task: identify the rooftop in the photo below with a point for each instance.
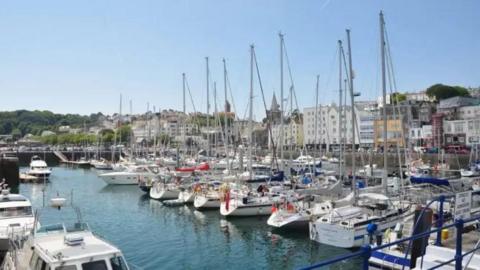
(51, 245)
(455, 102)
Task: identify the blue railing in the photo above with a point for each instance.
(367, 250)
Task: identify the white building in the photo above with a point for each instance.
(366, 125)
(462, 131)
(420, 136)
(419, 96)
(328, 126)
(468, 112)
(292, 135)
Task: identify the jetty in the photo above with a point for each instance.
(61, 156)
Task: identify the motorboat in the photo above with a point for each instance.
(58, 246)
(65, 247)
(349, 226)
(16, 217)
(38, 168)
(132, 176)
(101, 164)
(305, 163)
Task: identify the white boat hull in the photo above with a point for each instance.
(235, 208)
(336, 235)
(281, 219)
(186, 196)
(120, 179)
(160, 193)
(202, 202)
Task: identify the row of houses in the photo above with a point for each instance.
(417, 121)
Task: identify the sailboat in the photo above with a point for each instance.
(240, 201)
(350, 226)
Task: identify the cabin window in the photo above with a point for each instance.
(95, 265)
(66, 267)
(118, 263)
(37, 263)
(15, 211)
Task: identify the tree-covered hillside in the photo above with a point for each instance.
(21, 122)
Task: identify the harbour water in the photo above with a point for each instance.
(153, 236)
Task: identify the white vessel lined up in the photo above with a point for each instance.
(131, 176)
(38, 168)
(16, 218)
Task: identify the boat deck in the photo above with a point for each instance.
(469, 240)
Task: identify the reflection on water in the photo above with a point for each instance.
(154, 236)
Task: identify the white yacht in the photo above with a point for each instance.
(243, 202)
(246, 206)
(347, 227)
(132, 176)
(39, 168)
(296, 215)
(101, 164)
(16, 217)
(207, 196)
(305, 162)
(164, 189)
(62, 247)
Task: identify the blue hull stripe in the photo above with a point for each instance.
(429, 180)
(391, 258)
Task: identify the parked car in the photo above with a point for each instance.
(457, 149)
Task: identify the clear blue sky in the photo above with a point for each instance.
(78, 56)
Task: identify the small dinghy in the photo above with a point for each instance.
(176, 202)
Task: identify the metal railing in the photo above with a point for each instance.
(367, 250)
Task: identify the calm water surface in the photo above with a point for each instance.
(153, 236)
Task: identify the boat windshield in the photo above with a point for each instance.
(77, 227)
(66, 267)
(19, 211)
(118, 263)
(95, 265)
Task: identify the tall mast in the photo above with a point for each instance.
(315, 128)
(148, 121)
(216, 112)
(208, 109)
(120, 121)
(250, 116)
(184, 108)
(384, 103)
(225, 119)
(281, 102)
(291, 123)
(340, 118)
(354, 180)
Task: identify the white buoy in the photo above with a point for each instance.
(57, 202)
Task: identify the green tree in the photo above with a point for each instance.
(164, 139)
(440, 91)
(397, 97)
(16, 133)
(124, 133)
